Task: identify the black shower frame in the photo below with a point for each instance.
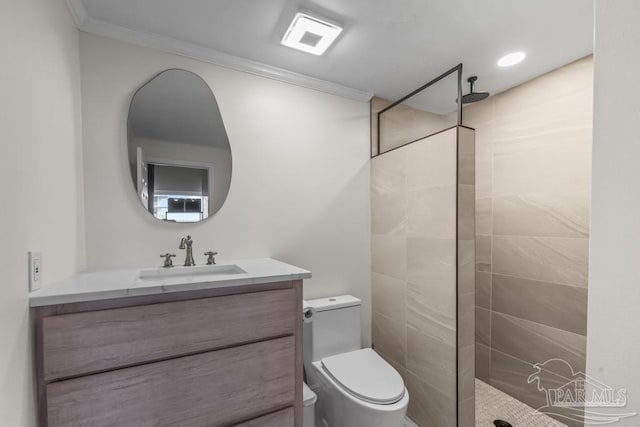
(458, 69)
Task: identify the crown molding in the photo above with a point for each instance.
(190, 50)
(78, 11)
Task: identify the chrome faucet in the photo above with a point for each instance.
(211, 257)
(187, 243)
(167, 259)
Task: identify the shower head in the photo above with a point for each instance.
(473, 96)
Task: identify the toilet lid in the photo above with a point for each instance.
(366, 375)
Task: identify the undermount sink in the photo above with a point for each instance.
(189, 273)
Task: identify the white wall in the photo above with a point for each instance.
(613, 347)
(300, 185)
(41, 177)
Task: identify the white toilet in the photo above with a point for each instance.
(355, 387)
(308, 407)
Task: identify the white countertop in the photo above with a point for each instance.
(100, 285)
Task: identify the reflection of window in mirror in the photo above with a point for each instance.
(180, 208)
(177, 191)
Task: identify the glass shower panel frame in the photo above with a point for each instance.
(408, 102)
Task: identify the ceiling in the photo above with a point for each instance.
(388, 48)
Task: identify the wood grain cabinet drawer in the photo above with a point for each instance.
(97, 341)
(284, 418)
(217, 388)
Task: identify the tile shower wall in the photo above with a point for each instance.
(533, 171)
(414, 231)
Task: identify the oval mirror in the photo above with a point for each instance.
(179, 152)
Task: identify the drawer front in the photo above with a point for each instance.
(284, 418)
(97, 341)
(209, 389)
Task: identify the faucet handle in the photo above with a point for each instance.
(211, 260)
(168, 262)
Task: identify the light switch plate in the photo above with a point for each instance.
(35, 270)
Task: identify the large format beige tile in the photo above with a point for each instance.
(431, 162)
(428, 405)
(558, 114)
(389, 338)
(548, 259)
(430, 260)
(466, 156)
(484, 161)
(483, 290)
(536, 343)
(431, 310)
(432, 361)
(432, 212)
(543, 214)
(466, 372)
(562, 114)
(389, 256)
(389, 297)
(466, 319)
(483, 326)
(483, 253)
(466, 212)
(431, 288)
(555, 162)
(467, 412)
(484, 216)
(560, 306)
(388, 173)
(573, 82)
(478, 115)
(466, 267)
(389, 213)
(482, 362)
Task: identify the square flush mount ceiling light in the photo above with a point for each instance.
(309, 34)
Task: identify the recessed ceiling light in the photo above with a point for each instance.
(310, 34)
(512, 59)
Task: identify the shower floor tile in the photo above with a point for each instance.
(492, 404)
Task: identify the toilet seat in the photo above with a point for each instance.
(365, 375)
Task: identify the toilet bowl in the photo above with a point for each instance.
(355, 386)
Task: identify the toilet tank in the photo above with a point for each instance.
(334, 329)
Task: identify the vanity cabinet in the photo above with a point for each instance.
(214, 357)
